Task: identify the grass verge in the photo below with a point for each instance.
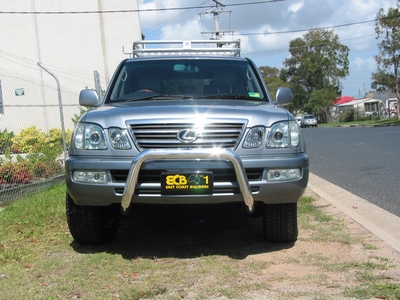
(181, 256)
(381, 122)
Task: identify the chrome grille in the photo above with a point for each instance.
(165, 135)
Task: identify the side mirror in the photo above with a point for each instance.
(89, 98)
(283, 96)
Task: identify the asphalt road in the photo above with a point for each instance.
(362, 160)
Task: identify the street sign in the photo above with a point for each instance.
(19, 92)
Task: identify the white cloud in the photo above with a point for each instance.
(295, 6)
(364, 63)
(280, 21)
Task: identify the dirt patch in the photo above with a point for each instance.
(324, 270)
(315, 267)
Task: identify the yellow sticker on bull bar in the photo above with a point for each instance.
(187, 183)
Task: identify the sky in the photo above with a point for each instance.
(265, 28)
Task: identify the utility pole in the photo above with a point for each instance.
(216, 19)
(216, 12)
(97, 84)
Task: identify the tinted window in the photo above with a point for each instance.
(198, 78)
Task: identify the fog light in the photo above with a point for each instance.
(283, 174)
(90, 177)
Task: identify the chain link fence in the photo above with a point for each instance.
(32, 148)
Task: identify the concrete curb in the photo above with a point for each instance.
(380, 222)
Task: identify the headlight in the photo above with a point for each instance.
(89, 137)
(284, 135)
(119, 139)
(254, 138)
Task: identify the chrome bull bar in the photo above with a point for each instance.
(164, 154)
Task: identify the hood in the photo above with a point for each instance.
(119, 114)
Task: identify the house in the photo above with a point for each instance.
(364, 107)
(382, 104)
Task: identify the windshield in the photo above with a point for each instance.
(186, 78)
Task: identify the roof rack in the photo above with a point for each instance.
(178, 47)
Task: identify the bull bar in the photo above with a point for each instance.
(179, 154)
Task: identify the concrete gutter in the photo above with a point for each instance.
(380, 222)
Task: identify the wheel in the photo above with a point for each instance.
(92, 225)
(280, 223)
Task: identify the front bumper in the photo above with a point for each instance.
(237, 187)
(187, 154)
(311, 123)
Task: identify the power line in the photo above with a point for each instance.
(129, 10)
(325, 27)
(196, 7)
(287, 49)
(301, 30)
(147, 33)
(30, 64)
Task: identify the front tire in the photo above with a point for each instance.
(280, 223)
(92, 225)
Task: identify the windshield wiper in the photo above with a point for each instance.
(164, 97)
(179, 97)
(230, 96)
(148, 97)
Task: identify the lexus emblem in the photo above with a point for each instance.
(187, 135)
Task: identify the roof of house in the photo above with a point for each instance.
(358, 101)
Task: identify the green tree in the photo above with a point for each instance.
(77, 117)
(321, 101)
(272, 78)
(269, 72)
(387, 28)
(318, 61)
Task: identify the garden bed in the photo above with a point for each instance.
(9, 192)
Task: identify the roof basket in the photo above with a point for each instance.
(177, 47)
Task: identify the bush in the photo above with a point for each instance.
(46, 170)
(41, 160)
(15, 173)
(54, 138)
(5, 141)
(347, 117)
(29, 139)
(33, 140)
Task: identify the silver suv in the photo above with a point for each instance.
(185, 126)
(308, 120)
